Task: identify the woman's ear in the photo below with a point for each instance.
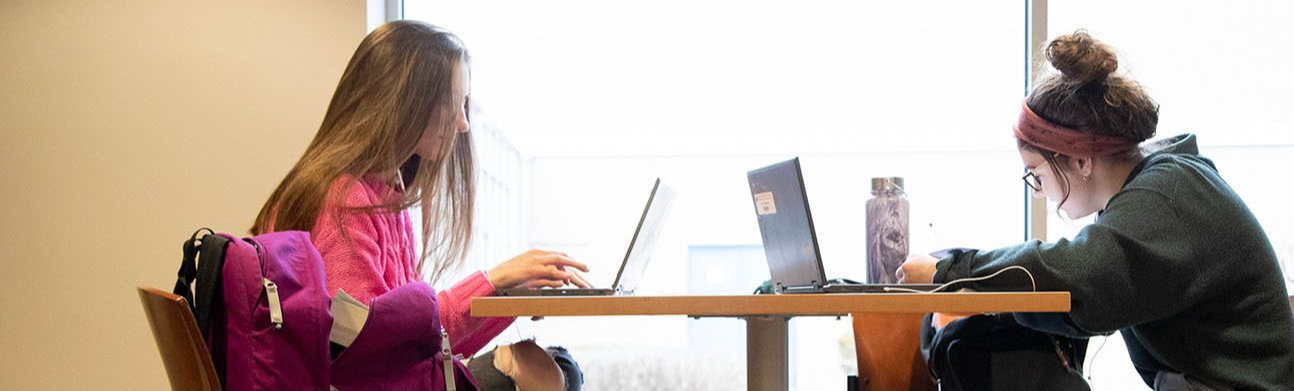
(1083, 166)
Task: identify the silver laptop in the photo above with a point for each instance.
(790, 242)
(659, 204)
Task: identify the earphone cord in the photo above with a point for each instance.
(1091, 370)
(1032, 282)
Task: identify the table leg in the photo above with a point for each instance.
(766, 353)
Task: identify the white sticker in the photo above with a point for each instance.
(764, 204)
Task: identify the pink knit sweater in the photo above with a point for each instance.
(377, 254)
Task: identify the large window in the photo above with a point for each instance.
(601, 97)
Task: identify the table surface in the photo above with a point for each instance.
(789, 304)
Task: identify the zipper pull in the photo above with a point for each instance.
(276, 308)
(449, 360)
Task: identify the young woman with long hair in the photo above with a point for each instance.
(395, 137)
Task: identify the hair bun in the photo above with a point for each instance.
(1081, 58)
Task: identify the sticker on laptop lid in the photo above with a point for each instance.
(764, 204)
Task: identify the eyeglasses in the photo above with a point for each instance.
(1032, 180)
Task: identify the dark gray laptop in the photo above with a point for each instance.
(790, 243)
(659, 204)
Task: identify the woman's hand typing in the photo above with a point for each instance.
(536, 269)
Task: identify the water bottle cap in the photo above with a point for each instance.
(887, 183)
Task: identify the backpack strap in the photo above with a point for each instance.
(188, 269)
(204, 257)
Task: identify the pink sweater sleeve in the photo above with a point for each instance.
(467, 333)
(349, 244)
(354, 245)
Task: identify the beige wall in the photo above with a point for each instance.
(125, 125)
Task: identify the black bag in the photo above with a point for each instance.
(993, 352)
(204, 258)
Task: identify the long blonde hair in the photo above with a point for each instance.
(399, 79)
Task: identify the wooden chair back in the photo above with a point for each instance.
(184, 353)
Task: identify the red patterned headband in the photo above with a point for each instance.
(1040, 133)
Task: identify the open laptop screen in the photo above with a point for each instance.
(659, 203)
(645, 237)
(786, 226)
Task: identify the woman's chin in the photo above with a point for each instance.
(1074, 214)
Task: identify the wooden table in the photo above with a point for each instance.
(766, 315)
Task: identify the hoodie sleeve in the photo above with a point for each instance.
(1128, 267)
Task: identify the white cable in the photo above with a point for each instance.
(908, 290)
(968, 279)
(1091, 365)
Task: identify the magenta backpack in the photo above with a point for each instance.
(261, 303)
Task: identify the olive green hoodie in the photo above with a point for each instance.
(1177, 263)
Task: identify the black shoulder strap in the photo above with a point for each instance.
(212, 262)
(188, 268)
(204, 257)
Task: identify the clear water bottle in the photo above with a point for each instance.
(887, 230)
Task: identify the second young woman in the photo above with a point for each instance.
(1175, 261)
